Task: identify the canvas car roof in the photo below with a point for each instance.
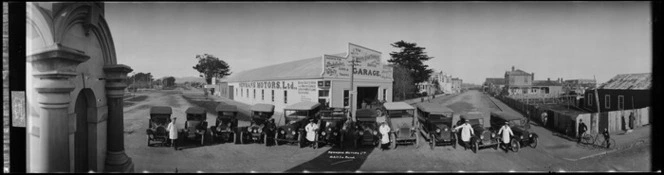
(473, 115)
(366, 113)
(262, 107)
(305, 105)
(434, 108)
(398, 106)
(161, 110)
(226, 108)
(505, 115)
(195, 110)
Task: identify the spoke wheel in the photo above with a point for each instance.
(393, 139)
(265, 139)
(433, 142)
(241, 137)
(515, 145)
(276, 136)
(476, 146)
(533, 144)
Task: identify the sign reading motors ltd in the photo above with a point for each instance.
(367, 64)
(302, 86)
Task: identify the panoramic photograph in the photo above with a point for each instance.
(293, 87)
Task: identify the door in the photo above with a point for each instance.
(230, 92)
(81, 135)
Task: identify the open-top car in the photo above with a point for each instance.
(195, 128)
(436, 124)
(404, 126)
(520, 128)
(365, 130)
(257, 132)
(296, 116)
(484, 136)
(160, 116)
(225, 127)
(331, 127)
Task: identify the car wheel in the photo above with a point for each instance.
(476, 146)
(148, 141)
(202, 139)
(515, 145)
(341, 141)
(533, 144)
(299, 140)
(235, 137)
(276, 135)
(454, 141)
(433, 142)
(265, 139)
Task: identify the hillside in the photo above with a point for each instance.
(189, 79)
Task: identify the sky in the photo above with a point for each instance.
(469, 40)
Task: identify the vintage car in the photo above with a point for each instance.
(404, 126)
(520, 128)
(225, 127)
(160, 116)
(365, 130)
(331, 130)
(257, 130)
(483, 135)
(436, 124)
(195, 128)
(296, 116)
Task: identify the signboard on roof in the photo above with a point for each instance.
(367, 64)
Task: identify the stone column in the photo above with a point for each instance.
(53, 68)
(116, 159)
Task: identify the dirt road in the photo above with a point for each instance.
(259, 158)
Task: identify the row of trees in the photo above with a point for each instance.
(143, 80)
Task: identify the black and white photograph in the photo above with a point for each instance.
(331, 86)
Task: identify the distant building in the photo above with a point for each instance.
(578, 86)
(518, 81)
(547, 87)
(622, 92)
(456, 85)
(493, 86)
(445, 84)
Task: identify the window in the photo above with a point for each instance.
(285, 97)
(323, 93)
(607, 101)
(384, 93)
(247, 93)
(590, 99)
(621, 102)
(254, 93)
(272, 95)
(262, 94)
(346, 98)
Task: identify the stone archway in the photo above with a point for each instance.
(85, 108)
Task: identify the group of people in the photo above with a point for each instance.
(383, 129)
(467, 132)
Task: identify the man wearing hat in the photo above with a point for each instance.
(582, 129)
(173, 133)
(466, 132)
(507, 134)
(311, 129)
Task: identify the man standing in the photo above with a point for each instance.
(507, 134)
(311, 129)
(173, 133)
(384, 130)
(544, 118)
(582, 129)
(631, 120)
(607, 137)
(466, 132)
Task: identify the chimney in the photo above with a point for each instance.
(532, 77)
(548, 79)
(512, 68)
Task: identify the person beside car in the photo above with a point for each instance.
(466, 132)
(384, 130)
(506, 132)
(311, 129)
(173, 132)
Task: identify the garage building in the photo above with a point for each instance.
(325, 79)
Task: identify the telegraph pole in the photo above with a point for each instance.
(352, 90)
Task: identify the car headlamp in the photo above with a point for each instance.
(481, 136)
(375, 133)
(248, 129)
(323, 133)
(361, 133)
(283, 132)
(530, 135)
(329, 129)
(521, 137)
(294, 132)
(437, 130)
(493, 135)
(260, 130)
(446, 129)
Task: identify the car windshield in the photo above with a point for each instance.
(400, 113)
(474, 122)
(437, 116)
(297, 113)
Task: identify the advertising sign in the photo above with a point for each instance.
(367, 64)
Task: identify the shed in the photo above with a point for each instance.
(165, 110)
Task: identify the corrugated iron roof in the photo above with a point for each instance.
(641, 81)
(301, 69)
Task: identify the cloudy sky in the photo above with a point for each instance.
(470, 40)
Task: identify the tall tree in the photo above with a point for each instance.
(412, 57)
(168, 81)
(210, 67)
